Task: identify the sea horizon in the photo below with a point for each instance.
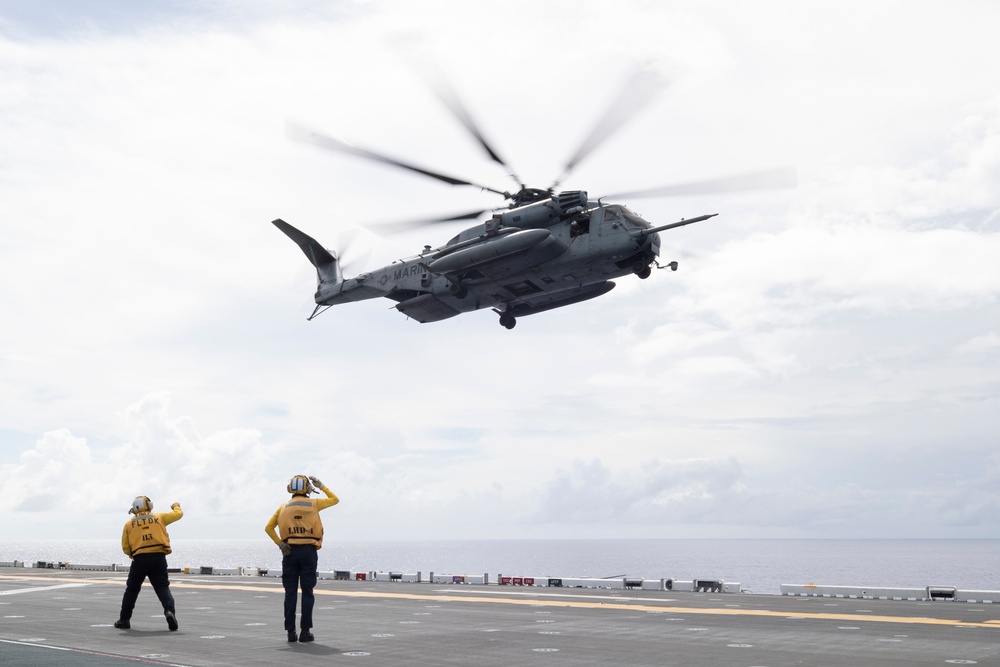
(759, 565)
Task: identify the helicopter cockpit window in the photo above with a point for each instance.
(611, 214)
(632, 220)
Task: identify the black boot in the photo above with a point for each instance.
(171, 619)
(292, 636)
(122, 624)
(306, 636)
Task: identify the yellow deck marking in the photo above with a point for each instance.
(728, 611)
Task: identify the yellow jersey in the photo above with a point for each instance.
(298, 521)
(146, 532)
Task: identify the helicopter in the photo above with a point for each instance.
(547, 249)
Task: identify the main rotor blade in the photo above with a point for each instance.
(304, 135)
(784, 177)
(413, 51)
(638, 92)
(442, 88)
(403, 225)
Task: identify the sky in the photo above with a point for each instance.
(824, 363)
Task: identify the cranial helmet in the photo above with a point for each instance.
(141, 504)
(300, 485)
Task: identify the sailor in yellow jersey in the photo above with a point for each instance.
(301, 537)
(145, 541)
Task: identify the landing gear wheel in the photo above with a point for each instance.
(507, 321)
(641, 270)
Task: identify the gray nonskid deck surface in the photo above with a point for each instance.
(65, 618)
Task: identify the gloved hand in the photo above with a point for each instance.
(318, 484)
(175, 506)
(286, 548)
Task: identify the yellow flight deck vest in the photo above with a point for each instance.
(147, 534)
(299, 522)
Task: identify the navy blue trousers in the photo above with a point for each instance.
(153, 566)
(298, 570)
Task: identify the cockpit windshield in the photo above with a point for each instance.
(632, 220)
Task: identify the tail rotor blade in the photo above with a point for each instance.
(353, 255)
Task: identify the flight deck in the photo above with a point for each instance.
(56, 617)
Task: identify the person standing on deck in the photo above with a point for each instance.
(301, 536)
(146, 542)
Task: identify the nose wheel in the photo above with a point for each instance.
(507, 320)
(642, 270)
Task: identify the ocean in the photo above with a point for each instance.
(760, 566)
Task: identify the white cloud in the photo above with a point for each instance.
(213, 477)
(680, 494)
(985, 343)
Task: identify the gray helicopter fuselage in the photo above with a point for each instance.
(501, 268)
(549, 253)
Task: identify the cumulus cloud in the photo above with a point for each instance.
(164, 457)
(59, 471)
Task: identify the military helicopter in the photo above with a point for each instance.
(546, 250)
